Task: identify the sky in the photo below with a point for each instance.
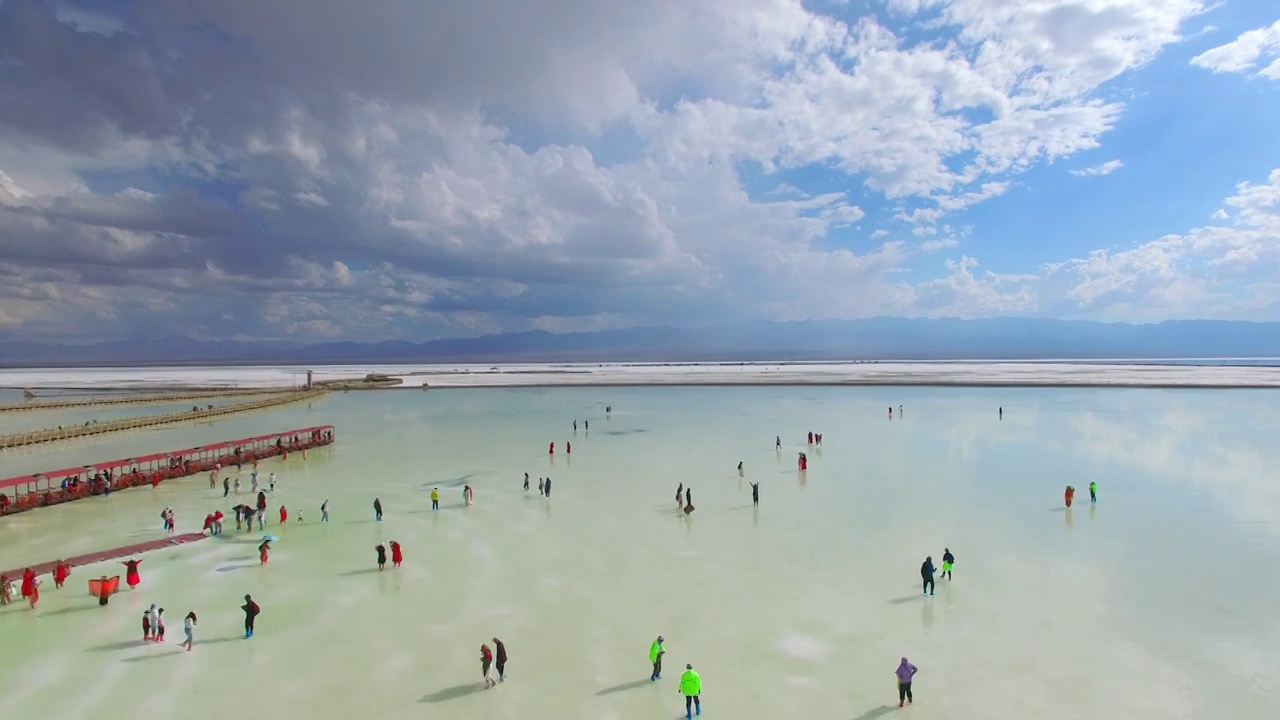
(318, 170)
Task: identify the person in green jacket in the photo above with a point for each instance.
(691, 688)
(656, 651)
(1093, 492)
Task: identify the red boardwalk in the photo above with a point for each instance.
(26, 492)
(122, 552)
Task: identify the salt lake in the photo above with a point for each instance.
(1155, 603)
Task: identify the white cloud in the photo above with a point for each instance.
(497, 195)
(1105, 168)
(1245, 53)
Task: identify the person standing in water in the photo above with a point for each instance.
(377, 509)
(680, 495)
(382, 556)
(656, 651)
(263, 552)
(547, 488)
(435, 498)
(226, 486)
(526, 482)
(1093, 492)
(688, 499)
(926, 575)
(691, 688)
(755, 493)
(397, 554)
(948, 562)
(575, 426)
(1069, 495)
(905, 672)
(251, 612)
(500, 661)
(159, 624)
(777, 442)
(486, 660)
(739, 468)
(1002, 413)
(324, 510)
(189, 629)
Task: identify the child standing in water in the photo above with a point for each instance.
(188, 629)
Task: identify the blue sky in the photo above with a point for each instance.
(335, 170)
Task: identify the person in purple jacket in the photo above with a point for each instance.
(905, 672)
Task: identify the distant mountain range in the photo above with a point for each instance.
(869, 339)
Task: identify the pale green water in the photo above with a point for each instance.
(1148, 606)
(27, 420)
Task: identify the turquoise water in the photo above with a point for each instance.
(1149, 605)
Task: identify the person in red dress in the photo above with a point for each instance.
(28, 582)
(61, 572)
(131, 577)
(397, 555)
(284, 515)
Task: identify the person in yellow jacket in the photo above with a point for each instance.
(435, 498)
(691, 688)
(656, 651)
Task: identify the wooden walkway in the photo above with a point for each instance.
(121, 552)
(139, 399)
(67, 433)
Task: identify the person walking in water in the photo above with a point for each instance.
(435, 498)
(680, 495)
(189, 629)
(251, 612)
(547, 487)
(926, 574)
(656, 651)
(1093, 492)
(777, 442)
(486, 660)
(739, 468)
(526, 482)
(905, 672)
(382, 556)
(755, 493)
(948, 562)
(500, 661)
(377, 509)
(324, 510)
(691, 688)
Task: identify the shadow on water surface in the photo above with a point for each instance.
(72, 609)
(905, 599)
(351, 573)
(120, 645)
(233, 568)
(153, 656)
(633, 685)
(452, 693)
(874, 713)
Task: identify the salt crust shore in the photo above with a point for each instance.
(972, 374)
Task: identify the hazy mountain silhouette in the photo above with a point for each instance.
(869, 339)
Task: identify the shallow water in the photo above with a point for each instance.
(28, 420)
(1146, 606)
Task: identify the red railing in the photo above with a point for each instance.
(25, 492)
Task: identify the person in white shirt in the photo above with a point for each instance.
(188, 627)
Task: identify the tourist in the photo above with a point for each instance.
(1069, 495)
(253, 476)
(324, 510)
(548, 487)
(226, 486)
(526, 482)
(691, 688)
(755, 493)
(542, 486)
(1093, 492)
(575, 426)
(656, 651)
(382, 556)
(237, 483)
(468, 496)
(680, 495)
(688, 496)
(188, 629)
(486, 659)
(104, 590)
(397, 555)
(905, 672)
(251, 611)
(501, 659)
(159, 625)
(61, 570)
(271, 482)
(739, 468)
(263, 552)
(131, 576)
(435, 498)
(377, 509)
(926, 575)
(948, 561)
(6, 590)
(568, 448)
(34, 598)
(586, 425)
(284, 515)
(777, 442)
(551, 449)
